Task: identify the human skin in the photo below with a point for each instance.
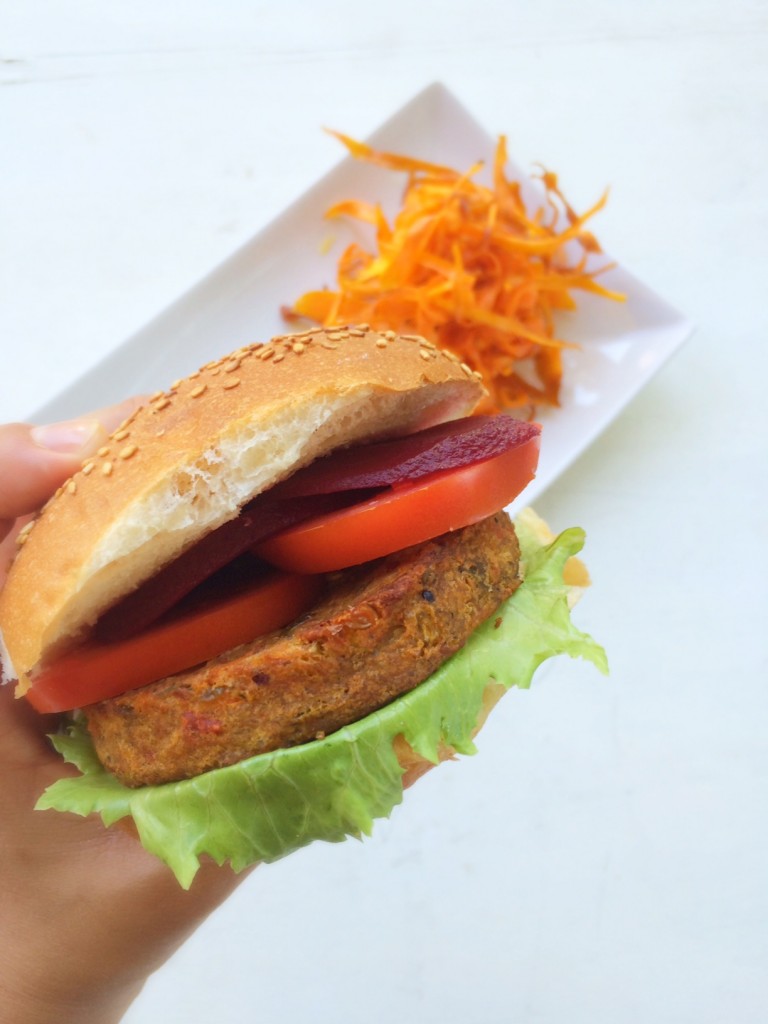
(87, 914)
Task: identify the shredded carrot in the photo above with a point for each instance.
(470, 268)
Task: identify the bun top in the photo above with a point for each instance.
(191, 457)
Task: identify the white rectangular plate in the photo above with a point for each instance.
(622, 344)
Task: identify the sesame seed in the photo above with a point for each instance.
(390, 335)
(157, 394)
(120, 435)
(279, 357)
(466, 369)
(88, 467)
(162, 404)
(231, 383)
(327, 343)
(381, 343)
(24, 532)
(103, 451)
(177, 384)
(106, 469)
(266, 353)
(72, 487)
(231, 367)
(196, 392)
(128, 451)
(129, 419)
(424, 354)
(298, 347)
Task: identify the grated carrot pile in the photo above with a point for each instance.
(468, 267)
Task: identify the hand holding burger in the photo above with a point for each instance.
(290, 575)
(67, 884)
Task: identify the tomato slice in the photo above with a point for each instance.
(404, 515)
(96, 671)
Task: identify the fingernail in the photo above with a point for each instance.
(67, 438)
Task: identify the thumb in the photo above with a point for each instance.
(34, 461)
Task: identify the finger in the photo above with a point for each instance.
(23, 731)
(36, 460)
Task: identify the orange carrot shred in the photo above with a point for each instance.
(471, 268)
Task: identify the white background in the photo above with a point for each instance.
(604, 859)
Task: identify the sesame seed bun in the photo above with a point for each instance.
(190, 458)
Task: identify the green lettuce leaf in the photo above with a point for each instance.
(272, 804)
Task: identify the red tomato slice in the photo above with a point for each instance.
(96, 671)
(405, 515)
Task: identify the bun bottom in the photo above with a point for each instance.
(415, 766)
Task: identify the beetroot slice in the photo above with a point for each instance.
(405, 459)
(341, 478)
(258, 520)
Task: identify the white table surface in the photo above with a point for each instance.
(604, 859)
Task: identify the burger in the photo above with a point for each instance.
(284, 589)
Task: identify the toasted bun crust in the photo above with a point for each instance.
(194, 455)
